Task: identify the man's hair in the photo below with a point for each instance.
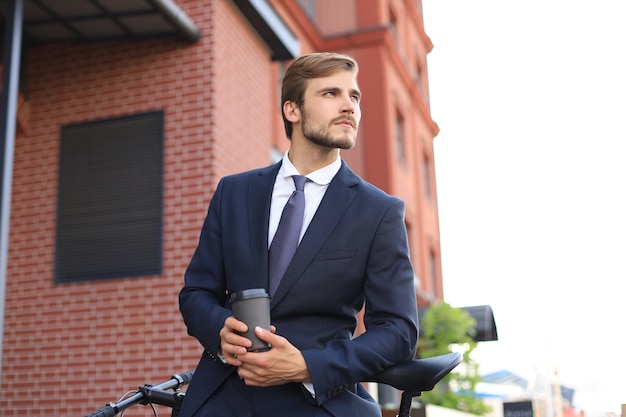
(316, 65)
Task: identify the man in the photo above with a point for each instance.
(353, 252)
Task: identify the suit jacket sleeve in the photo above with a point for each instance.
(390, 315)
(203, 298)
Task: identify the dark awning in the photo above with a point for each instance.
(95, 20)
(486, 330)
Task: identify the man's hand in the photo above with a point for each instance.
(233, 344)
(281, 364)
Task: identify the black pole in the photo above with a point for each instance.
(8, 115)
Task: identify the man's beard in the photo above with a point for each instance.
(321, 136)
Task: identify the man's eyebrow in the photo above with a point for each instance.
(353, 91)
(328, 89)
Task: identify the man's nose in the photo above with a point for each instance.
(348, 105)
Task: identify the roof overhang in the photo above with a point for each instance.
(98, 20)
(271, 28)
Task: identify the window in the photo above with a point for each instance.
(432, 273)
(426, 177)
(282, 68)
(393, 26)
(418, 74)
(400, 151)
(419, 9)
(309, 8)
(275, 155)
(418, 77)
(110, 199)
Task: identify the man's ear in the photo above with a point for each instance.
(291, 111)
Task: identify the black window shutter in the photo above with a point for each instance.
(109, 220)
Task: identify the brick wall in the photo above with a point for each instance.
(71, 348)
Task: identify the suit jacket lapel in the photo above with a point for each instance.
(259, 201)
(336, 201)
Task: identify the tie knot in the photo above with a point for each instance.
(299, 181)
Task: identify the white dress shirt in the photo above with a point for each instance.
(314, 191)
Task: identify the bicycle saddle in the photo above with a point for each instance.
(418, 375)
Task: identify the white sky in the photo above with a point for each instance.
(530, 97)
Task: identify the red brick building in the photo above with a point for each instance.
(132, 104)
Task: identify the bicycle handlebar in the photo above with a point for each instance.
(177, 381)
(149, 395)
(107, 411)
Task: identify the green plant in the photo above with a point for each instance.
(446, 329)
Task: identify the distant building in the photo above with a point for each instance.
(511, 395)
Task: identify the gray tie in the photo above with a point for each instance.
(287, 234)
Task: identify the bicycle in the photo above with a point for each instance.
(411, 377)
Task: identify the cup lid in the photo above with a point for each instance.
(251, 293)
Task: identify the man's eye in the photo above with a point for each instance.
(356, 99)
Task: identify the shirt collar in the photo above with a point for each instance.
(322, 176)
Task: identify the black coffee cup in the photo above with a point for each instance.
(253, 308)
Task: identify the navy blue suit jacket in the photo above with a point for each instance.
(354, 253)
